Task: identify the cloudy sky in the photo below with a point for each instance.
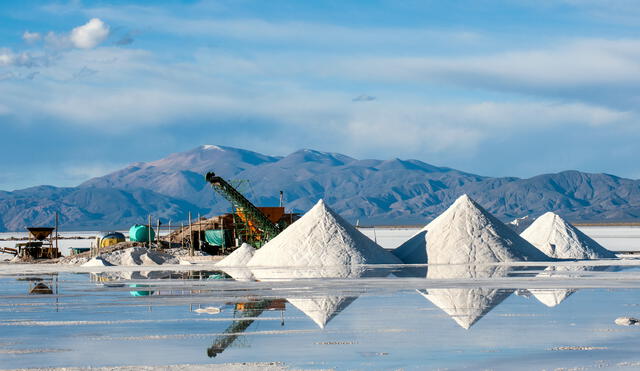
(497, 88)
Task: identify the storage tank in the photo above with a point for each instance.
(140, 233)
(106, 239)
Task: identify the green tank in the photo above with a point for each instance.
(140, 233)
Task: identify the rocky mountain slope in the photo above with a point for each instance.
(374, 191)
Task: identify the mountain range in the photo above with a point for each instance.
(372, 191)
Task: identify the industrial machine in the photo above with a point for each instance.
(40, 244)
(251, 224)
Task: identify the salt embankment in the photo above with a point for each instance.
(558, 238)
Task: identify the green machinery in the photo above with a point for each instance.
(251, 224)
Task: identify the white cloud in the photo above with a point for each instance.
(8, 59)
(90, 34)
(601, 71)
(31, 37)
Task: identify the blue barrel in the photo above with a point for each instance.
(140, 233)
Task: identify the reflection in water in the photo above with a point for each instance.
(42, 286)
(322, 309)
(466, 306)
(553, 297)
(246, 312)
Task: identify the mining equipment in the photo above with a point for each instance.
(248, 223)
(40, 244)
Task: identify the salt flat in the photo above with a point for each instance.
(520, 316)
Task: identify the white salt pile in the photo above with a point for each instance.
(559, 239)
(467, 234)
(97, 262)
(320, 238)
(235, 264)
(520, 224)
(138, 256)
(239, 257)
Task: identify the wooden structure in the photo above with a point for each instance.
(40, 244)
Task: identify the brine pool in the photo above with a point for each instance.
(497, 317)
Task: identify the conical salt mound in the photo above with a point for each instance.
(559, 239)
(322, 309)
(235, 264)
(467, 234)
(320, 238)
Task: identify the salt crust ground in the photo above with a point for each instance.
(557, 238)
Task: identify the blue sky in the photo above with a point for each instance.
(491, 87)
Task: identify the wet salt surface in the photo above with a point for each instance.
(381, 318)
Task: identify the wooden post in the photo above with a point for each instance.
(182, 235)
(149, 236)
(158, 235)
(190, 236)
(58, 250)
(199, 231)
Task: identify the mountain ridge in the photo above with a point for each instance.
(392, 191)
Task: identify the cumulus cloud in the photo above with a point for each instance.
(31, 37)
(90, 34)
